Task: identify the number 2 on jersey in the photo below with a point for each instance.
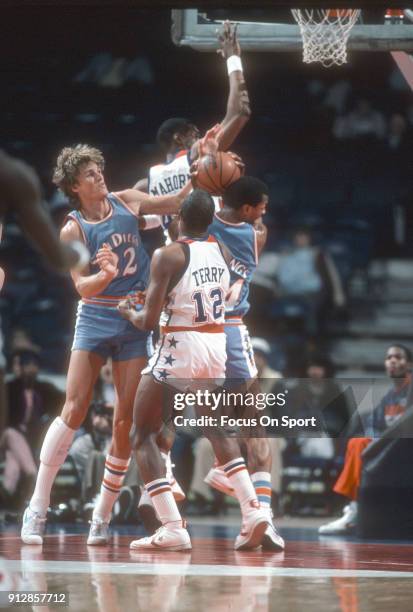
(131, 267)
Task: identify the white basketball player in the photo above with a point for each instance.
(192, 276)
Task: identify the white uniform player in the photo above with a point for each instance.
(169, 178)
(192, 343)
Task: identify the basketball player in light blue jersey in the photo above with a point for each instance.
(108, 224)
(238, 225)
(178, 137)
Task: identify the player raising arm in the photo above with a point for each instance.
(179, 138)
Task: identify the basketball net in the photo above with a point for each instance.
(325, 33)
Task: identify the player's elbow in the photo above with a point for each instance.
(83, 290)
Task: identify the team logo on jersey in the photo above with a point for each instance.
(118, 239)
(239, 268)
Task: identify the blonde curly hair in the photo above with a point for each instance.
(69, 163)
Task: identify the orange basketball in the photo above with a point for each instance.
(216, 173)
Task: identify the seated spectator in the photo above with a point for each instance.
(31, 404)
(20, 340)
(398, 363)
(104, 388)
(363, 121)
(97, 437)
(307, 274)
(89, 450)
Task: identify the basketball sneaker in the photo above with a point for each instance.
(343, 525)
(217, 479)
(253, 530)
(33, 526)
(98, 533)
(170, 537)
(272, 539)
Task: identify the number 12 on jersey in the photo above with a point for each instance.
(208, 307)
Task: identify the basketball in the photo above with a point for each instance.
(216, 173)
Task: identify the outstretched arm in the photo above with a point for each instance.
(165, 265)
(142, 203)
(20, 189)
(238, 104)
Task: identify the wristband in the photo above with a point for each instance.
(152, 221)
(82, 252)
(234, 63)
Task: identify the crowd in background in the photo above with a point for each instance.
(341, 191)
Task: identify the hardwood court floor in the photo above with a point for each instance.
(312, 574)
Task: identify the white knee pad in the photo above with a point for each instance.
(56, 443)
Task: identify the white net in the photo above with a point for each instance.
(325, 33)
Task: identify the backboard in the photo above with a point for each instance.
(197, 29)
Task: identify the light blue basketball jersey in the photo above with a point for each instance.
(240, 240)
(120, 231)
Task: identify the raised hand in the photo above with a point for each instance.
(228, 41)
(208, 145)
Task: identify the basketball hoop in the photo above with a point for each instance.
(325, 33)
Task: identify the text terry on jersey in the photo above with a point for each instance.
(211, 274)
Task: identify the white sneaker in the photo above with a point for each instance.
(343, 525)
(217, 479)
(33, 526)
(252, 531)
(167, 537)
(98, 533)
(272, 539)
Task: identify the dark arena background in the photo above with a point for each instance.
(331, 301)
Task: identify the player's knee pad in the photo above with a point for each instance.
(57, 442)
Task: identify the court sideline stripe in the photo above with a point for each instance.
(176, 569)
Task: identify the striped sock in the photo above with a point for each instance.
(262, 486)
(237, 472)
(115, 470)
(163, 501)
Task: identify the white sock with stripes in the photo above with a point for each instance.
(237, 472)
(164, 502)
(262, 486)
(115, 470)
